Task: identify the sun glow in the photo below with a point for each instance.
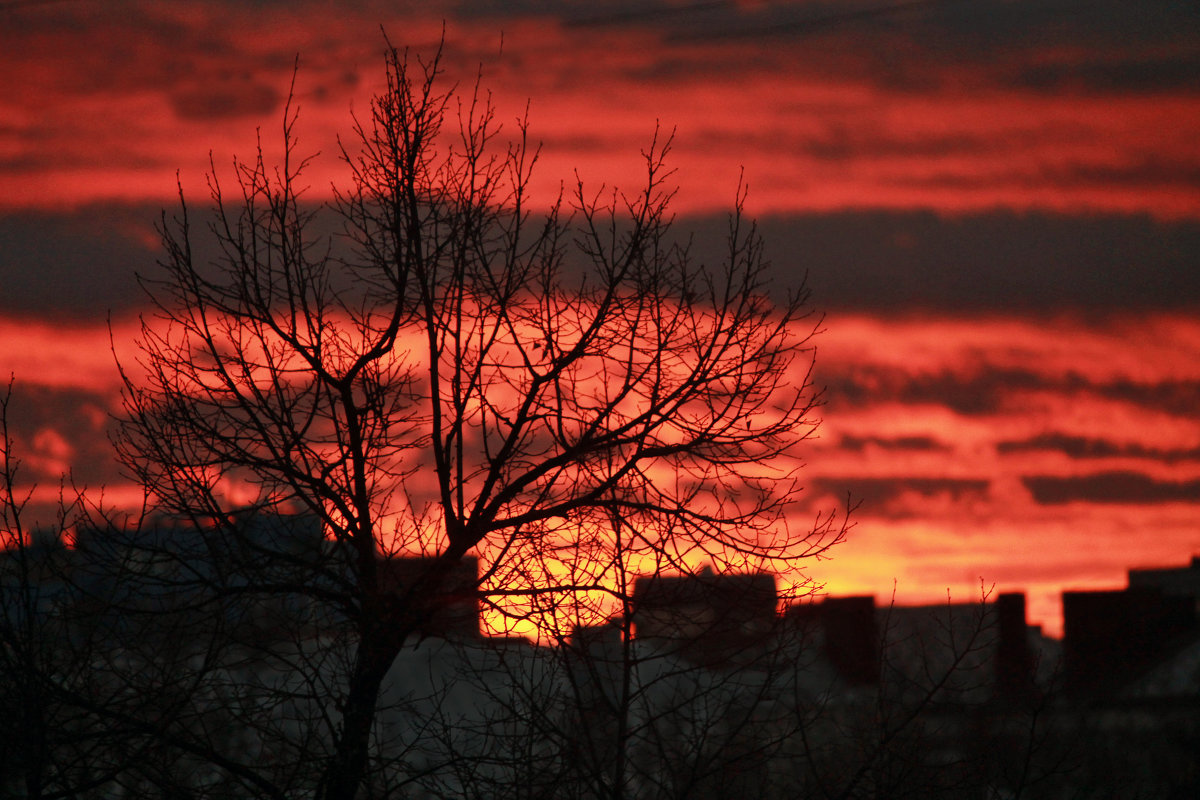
(942, 469)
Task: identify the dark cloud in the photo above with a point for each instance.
(978, 393)
(837, 140)
(77, 417)
(83, 262)
(1002, 261)
(919, 443)
(845, 143)
(200, 55)
(72, 155)
(862, 385)
(878, 495)
(1082, 447)
(1173, 397)
(1110, 487)
(1179, 174)
(988, 390)
(1155, 73)
(1098, 47)
(223, 99)
(600, 12)
(79, 263)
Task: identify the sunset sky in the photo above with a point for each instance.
(996, 203)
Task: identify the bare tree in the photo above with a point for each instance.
(455, 371)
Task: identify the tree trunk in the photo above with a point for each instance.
(346, 770)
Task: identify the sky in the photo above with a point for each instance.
(995, 203)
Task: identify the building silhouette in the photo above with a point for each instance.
(958, 699)
(708, 618)
(1113, 639)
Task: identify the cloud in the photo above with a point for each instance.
(1083, 447)
(61, 430)
(1154, 72)
(60, 354)
(79, 263)
(989, 390)
(1036, 262)
(924, 107)
(948, 493)
(919, 46)
(82, 261)
(899, 496)
(978, 393)
(1111, 487)
(919, 443)
(225, 98)
(1119, 348)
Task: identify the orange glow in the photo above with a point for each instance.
(945, 502)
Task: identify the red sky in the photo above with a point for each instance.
(956, 109)
(997, 202)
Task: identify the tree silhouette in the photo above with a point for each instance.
(672, 694)
(65, 723)
(455, 371)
